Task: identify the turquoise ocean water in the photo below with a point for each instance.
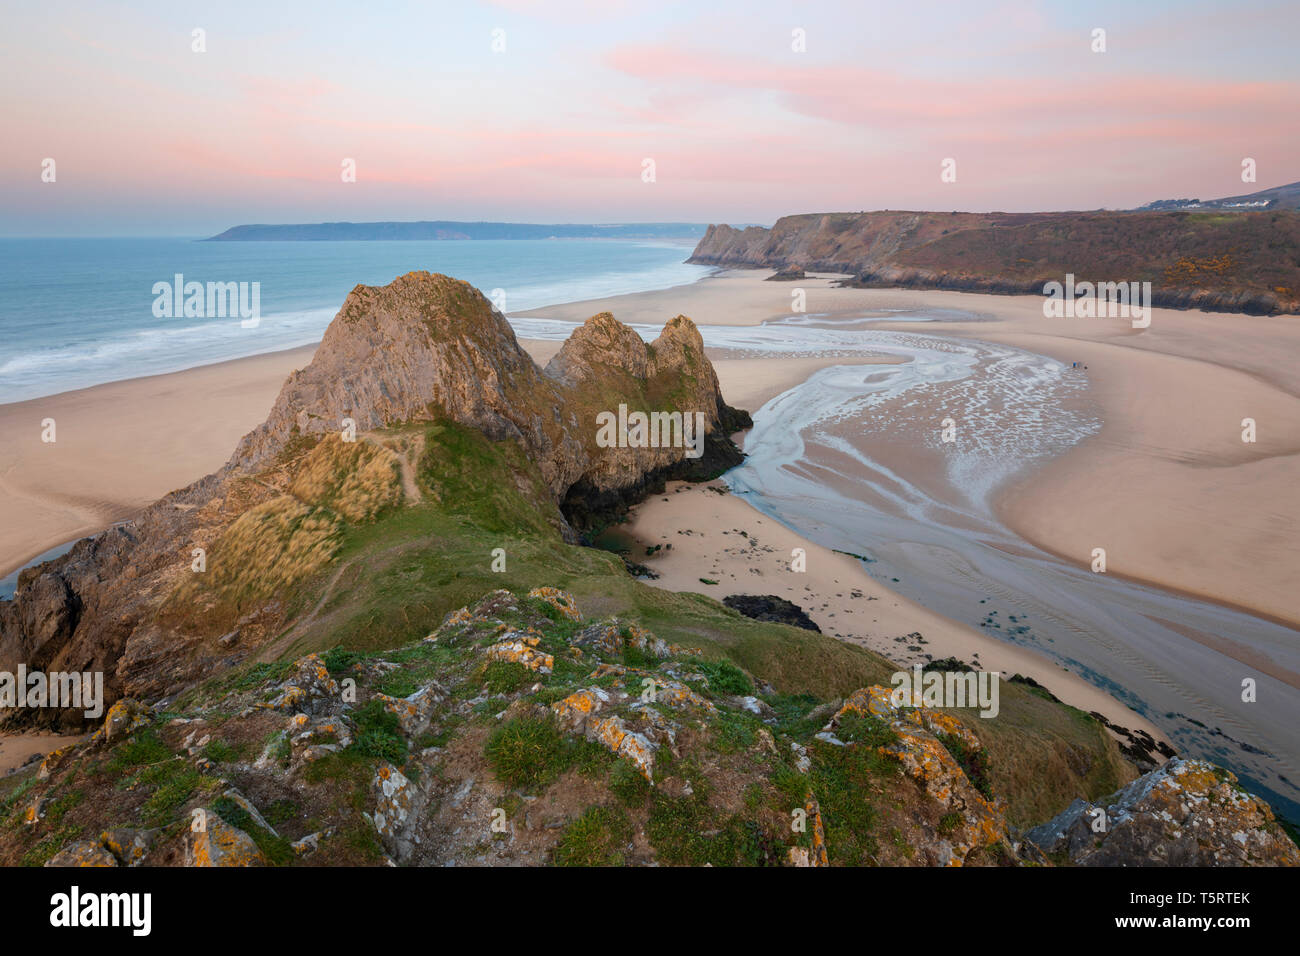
(79, 312)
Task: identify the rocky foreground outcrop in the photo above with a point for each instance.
(1186, 813)
(423, 348)
(522, 732)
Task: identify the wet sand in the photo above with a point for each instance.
(720, 537)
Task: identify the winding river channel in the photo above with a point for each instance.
(854, 458)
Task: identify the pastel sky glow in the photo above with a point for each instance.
(151, 138)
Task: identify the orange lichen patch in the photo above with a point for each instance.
(330, 727)
(220, 844)
(610, 732)
(520, 649)
(290, 699)
(877, 701)
(815, 855)
(314, 739)
(52, 762)
(35, 811)
(632, 746)
(83, 853)
(396, 799)
(572, 712)
(311, 680)
(871, 701)
(1185, 813)
(814, 811)
(404, 710)
(603, 638)
(1196, 777)
(462, 616)
(562, 601)
(122, 719)
(925, 759)
(315, 676)
(127, 846)
(639, 750)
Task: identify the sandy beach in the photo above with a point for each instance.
(1166, 485)
(719, 537)
(17, 749)
(121, 446)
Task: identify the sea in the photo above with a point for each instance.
(80, 312)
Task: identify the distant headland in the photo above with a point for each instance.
(445, 229)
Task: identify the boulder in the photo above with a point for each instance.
(1186, 813)
(82, 853)
(220, 844)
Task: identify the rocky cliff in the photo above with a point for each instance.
(394, 652)
(1184, 813)
(1232, 262)
(524, 731)
(423, 348)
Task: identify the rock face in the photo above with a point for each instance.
(427, 345)
(423, 348)
(422, 345)
(769, 607)
(1187, 813)
(605, 364)
(1225, 263)
(923, 741)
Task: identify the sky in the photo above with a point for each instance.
(549, 111)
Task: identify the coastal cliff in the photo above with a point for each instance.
(424, 348)
(1230, 262)
(395, 652)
